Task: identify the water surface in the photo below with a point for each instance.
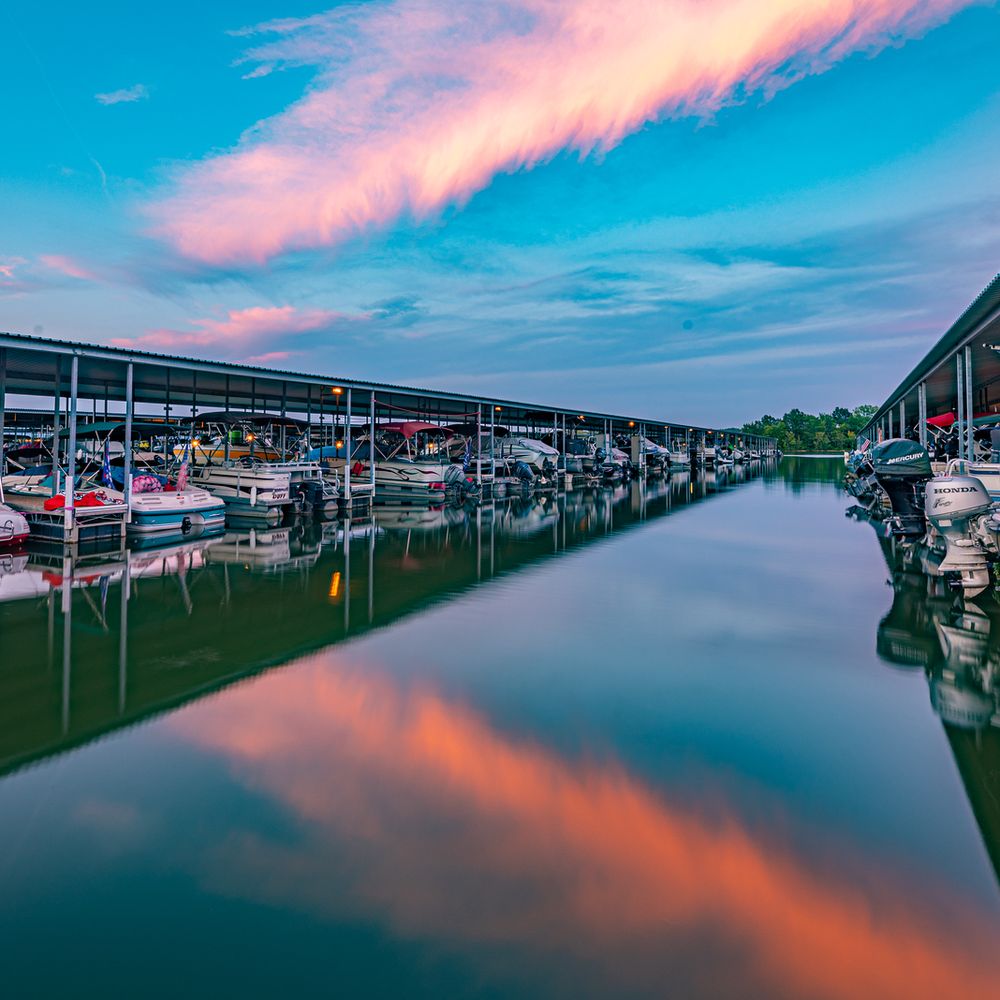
(678, 740)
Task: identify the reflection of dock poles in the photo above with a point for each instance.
(123, 634)
(67, 609)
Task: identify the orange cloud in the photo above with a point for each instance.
(450, 831)
(418, 104)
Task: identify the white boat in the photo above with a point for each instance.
(710, 454)
(174, 511)
(39, 497)
(156, 506)
(754, 455)
(13, 525)
(541, 458)
(412, 461)
(680, 455)
(250, 490)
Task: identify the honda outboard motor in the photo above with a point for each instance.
(960, 515)
(901, 468)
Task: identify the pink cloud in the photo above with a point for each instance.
(419, 104)
(241, 331)
(68, 266)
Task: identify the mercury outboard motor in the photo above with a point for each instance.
(961, 518)
(902, 468)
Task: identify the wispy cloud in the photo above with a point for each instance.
(242, 332)
(68, 266)
(127, 95)
(419, 104)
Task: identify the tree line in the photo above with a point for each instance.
(797, 431)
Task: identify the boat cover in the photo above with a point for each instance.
(900, 457)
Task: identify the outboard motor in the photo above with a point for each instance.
(902, 468)
(860, 480)
(523, 472)
(961, 517)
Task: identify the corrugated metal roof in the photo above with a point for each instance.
(986, 303)
(193, 368)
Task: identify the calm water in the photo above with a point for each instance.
(680, 741)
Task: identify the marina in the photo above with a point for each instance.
(451, 545)
(285, 734)
(164, 455)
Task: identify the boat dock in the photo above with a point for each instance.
(50, 388)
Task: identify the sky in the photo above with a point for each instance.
(700, 210)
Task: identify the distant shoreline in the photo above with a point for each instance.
(813, 454)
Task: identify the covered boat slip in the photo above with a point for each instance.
(61, 383)
(950, 401)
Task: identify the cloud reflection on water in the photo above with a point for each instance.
(417, 811)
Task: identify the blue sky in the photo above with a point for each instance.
(796, 238)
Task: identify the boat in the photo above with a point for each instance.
(14, 528)
(242, 465)
(412, 461)
(158, 502)
(221, 436)
(247, 488)
(680, 454)
(38, 494)
(541, 458)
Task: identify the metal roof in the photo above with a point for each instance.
(982, 314)
(178, 381)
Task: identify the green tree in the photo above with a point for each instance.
(800, 431)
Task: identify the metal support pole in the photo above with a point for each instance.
(347, 451)
(479, 443)
(167, 418)
(3, 407)
(225, 432)
(69, 528)
(371, 447)
(970, 414)
(284, 417)
(493, 425)
(960, 392)
(309, 417)
(902, 418)
(922, 412)
(127, 443)
(56, 428)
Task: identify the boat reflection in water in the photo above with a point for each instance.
(221, 607)
(956, 642)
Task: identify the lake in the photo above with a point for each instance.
(695, 738)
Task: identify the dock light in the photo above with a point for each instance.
(195, 442)
(498, 408)
(251, 437)
(337, 390)
(338, 444)
(631, 423)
